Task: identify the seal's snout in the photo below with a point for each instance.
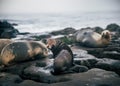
(48, 46)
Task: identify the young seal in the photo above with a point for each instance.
(22, 51)
(4, 42)
(62, 62)
(63, 55)
(93, 39)
(57, 46)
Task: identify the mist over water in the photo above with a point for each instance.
(36, 23)
(37, 16)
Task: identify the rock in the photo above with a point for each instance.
(31, 83)
(83, 58)
(42, 75)
(78, 69)
(19, 67)
(113, 27)
(24, 33)
(41, 37)
(109, 64)
(7, 79)
(98, 29)
(93, 77)
(66, 31)
(9, 34)
(14, 24)
(7, 30)
(111, 54)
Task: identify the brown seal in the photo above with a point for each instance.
(62, 62)
(21, 51)
(4, 42)
(93, 39)
(63, 55)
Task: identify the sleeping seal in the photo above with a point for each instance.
(93, 39)
(22, 51)
(4, 42)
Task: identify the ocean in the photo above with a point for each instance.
(41, 22)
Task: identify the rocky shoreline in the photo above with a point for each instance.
(94, 66)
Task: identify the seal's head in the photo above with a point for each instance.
(106, 34)
(51, 43)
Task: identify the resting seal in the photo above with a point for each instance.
(63, 55)
(93, 39)
(62, 62)
(21, 51)
(4, 42)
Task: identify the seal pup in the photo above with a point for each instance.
(62, 54)
(22, 51)
(56, 46)
(62, 62)
(93, 39)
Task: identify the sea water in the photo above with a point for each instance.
(41, 22)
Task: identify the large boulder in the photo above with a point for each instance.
(7, 30)
(113, 27)
(18, 68)
(109, 64)
(83, 58)
(31, 83)
(108, 52)
(7, 79)
(93, 77)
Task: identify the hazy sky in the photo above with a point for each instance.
(57, 6)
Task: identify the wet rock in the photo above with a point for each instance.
(42, 75)
(108, 52)
(41, 37)
(98, 29)
(113, 27)
(31, 83)
(7, 30)
(7, 79)
(94, 77)
(111, 54)
(79, 69)
(24, 33)
(19, 67)
(109, 64)
(83, 58)
(66, 31)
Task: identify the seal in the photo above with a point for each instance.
(56, 46)
(62, 54)
(62, 62)
(22, 51)
(4, 42)
(93, 39)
